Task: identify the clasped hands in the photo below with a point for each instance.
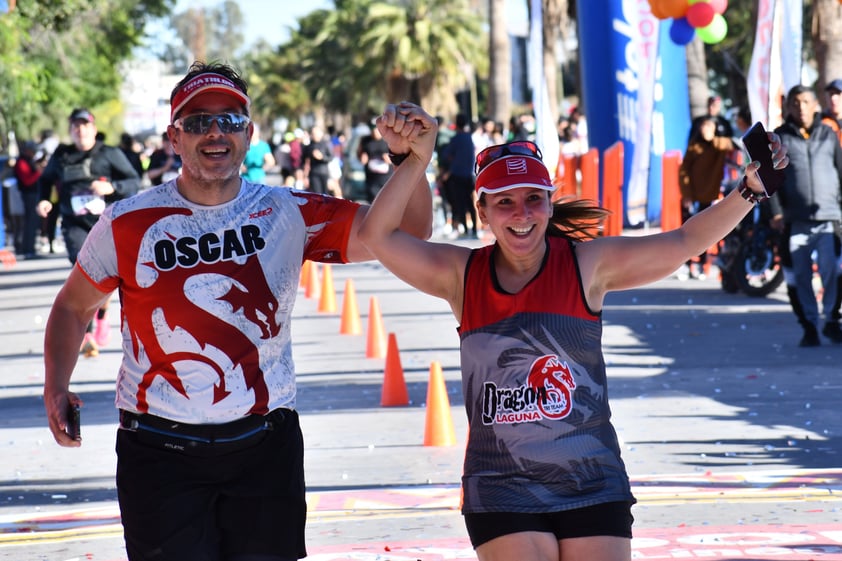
(408, 129)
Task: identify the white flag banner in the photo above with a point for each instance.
(776, 59)
(791, 41)
(546, 132)
(643, 31)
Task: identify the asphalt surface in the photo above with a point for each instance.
(730, 431)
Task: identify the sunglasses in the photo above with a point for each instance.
(516, 148)
(201, 123)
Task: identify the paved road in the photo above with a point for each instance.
(730, 431)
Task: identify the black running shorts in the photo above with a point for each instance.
(607, 519)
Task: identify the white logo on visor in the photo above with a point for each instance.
(516, 166)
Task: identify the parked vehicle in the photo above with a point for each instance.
(748, 256)
(353, 171)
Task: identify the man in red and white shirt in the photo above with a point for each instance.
(210, 452)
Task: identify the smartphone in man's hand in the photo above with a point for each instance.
(74, 429)
(756, 142)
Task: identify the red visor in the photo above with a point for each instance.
(511, 172)
(207, 82)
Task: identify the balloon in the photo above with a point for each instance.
(715, 31)
(719, 6)
(700, 14)
(657, 10)
(674, 8)
(681, 32)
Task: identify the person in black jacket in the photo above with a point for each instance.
(723, 126)
(316, 157)
(127, 146)
(458, 157)
(89, 175)
(807, 209)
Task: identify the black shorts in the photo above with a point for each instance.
(607, 519)
(244, 500)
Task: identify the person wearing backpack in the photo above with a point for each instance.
(89, 175)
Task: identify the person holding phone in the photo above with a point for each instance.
(543, 478)
(807, 211)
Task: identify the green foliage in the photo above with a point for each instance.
(269, 79)
(355, 58)
(728, 61)
(59, 55)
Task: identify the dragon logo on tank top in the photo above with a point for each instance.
(554, 377)
(547, 394)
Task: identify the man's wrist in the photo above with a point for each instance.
(397, 159)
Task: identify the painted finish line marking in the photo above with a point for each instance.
(812, 484)
(757, 543)
(655, 489)
(344, 506)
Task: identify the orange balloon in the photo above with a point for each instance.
(658, 11)
(674, 8)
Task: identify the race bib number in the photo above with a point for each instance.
(87, 204)
(378, 166)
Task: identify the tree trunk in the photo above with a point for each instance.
(827, 40)
(198, 41)
(697, 77)
(555, 15)
(500, 76)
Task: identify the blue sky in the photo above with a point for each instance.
(271, 19)
(267, 19)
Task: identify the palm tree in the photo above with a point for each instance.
(500, 71)
(366, 52)
(421, 48)
(554, 23)
(697, 77)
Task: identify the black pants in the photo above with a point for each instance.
(74, 236)
(318, 183)
(177, 506)
(31, 220)
(461, 191)
(373, 183)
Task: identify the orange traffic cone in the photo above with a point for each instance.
(350, 322)
(438, 427)
(312, 289)
(306, 271)
(7, 258)
(327, 302)
(394, 387)
(376, 343)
